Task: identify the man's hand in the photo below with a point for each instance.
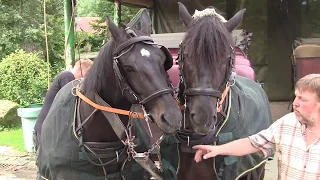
(207, 151)
(238, 147)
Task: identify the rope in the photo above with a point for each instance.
(46, 37)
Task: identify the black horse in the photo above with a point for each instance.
(219, 106)
(81, 140)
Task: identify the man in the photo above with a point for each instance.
(296, 136)
(79, 70)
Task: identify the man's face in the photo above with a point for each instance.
(306, 106)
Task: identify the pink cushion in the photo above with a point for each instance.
(243, 66)
(174, 75)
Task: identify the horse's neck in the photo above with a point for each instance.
(98, 128)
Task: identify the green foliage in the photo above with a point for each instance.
(102, 8)
(88, 42)
(99, 8)
(22, 27)
(12, 137)
(56, 68)
(23, 78)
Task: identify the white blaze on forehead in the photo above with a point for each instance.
(145, 52)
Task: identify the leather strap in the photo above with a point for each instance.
(195, 139)
(156, 94)
(202, 92)
(223, 97)
(131, 41)
(114, 120)
(108, 109)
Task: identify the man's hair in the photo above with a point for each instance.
(83, 64)
(310, 82)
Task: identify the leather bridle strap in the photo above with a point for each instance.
(191, 92)
(131, 41)
(202, 92)
(223, 97)
(109, 109)
(156, 94)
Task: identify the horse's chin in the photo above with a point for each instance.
(203, 130)
(167, 130)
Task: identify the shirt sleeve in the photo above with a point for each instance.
(264, 140)
(66, 80)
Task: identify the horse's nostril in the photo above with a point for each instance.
(193, 118)
(163, 119)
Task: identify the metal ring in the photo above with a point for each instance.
(117, 156)
(73, 91)
(188, 141)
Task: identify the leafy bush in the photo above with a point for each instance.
(84, 38)
(56, 68)
(23, 78)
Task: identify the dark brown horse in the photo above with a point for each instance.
(129, 69)
(213, 113)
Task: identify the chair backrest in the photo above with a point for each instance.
(306, 60)
(307, 51)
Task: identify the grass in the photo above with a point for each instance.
(13, 138)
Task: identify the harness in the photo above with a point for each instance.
(125, 148)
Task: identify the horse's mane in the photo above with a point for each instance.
(95, 81)
(207, 41)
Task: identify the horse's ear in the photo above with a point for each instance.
(184, 14)
(116, 32)
(235, 20)
(145, 22)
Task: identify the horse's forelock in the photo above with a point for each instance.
(207, 41)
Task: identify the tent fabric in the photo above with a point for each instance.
(275, 25)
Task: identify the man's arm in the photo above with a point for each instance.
(238, 147)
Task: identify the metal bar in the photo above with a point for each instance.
(69, 33)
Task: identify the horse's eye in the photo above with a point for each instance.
(128, 68)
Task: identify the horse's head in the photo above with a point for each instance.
(205, 64)
(140, 66)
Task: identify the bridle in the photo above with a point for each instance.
(187, 138)
(133, 97)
